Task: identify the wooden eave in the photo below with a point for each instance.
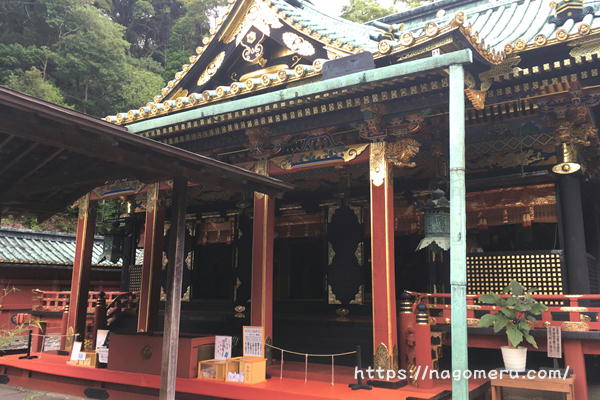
(50, 156)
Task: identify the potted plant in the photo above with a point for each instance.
(516, 315)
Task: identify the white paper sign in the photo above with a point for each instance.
(101, 345)
(235, 377)
(554, 344)
(222, 347)
(254, 342)
(76, 351)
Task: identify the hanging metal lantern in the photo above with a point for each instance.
(437, 223)
(112, 246)
(569, 164)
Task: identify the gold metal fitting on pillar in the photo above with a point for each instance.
(569, 164)
(422, 315)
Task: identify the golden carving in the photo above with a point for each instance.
(409, 124)
(382, 357)
(259, 16)
(346, 153)
(562, 34)
(584, 29)
(520, 44)
(431, 29)
(579, 326)
(585, 48)
(401, 152)
(298, 44)
(476, 97)
(472, 321)
(211, 69)
(407, 38)
(510, 65)
(540, 40)
(459, 19)
(373, 127)
(377, 163)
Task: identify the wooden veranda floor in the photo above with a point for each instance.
(51, 373)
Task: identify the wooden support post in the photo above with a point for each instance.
(65, 342)
(100, 321)
(263, 234)
(385, 336)
(82, 265)
(458, 232)
(176, 256)
(153, 257)
(37, 341)
(575, 359)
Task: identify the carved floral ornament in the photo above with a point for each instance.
(573, 125)
(399, 153)
(261, 144)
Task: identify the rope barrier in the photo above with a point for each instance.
(306, 355)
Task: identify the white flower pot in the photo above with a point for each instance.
(514, 358)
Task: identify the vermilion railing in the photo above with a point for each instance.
(45, 300)
(571, 312)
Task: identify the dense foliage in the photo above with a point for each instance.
(98, 57)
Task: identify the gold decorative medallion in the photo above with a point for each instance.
(211, 69)
(298, 44)
(384, 47)
(431, 29)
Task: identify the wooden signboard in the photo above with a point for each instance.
(254, 341)
(554, 342)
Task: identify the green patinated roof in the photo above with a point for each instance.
(24, 246)
(498, 23)
(493, 29)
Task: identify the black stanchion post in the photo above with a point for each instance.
(28, 356)
(359, 377)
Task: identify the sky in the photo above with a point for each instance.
(334, 7)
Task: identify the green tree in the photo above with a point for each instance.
(33, 83)
(365, 10)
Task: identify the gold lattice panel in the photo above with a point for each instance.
(491, 272)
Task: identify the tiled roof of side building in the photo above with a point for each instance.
(25, 246)
(509, 25)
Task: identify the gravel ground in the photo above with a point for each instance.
(17, 393)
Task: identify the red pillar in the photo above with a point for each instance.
(263, 232)
(406, 328)
(153, 258)
(385, 339)
(575, 360)
(82, 264)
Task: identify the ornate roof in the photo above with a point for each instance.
(509, 25)
(262, 44)
(24, 246)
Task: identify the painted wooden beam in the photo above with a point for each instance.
(310, 89)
